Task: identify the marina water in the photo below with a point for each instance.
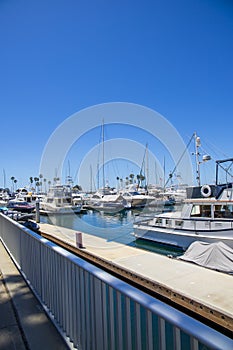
(116, 227)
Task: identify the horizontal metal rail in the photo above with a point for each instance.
(94, 309)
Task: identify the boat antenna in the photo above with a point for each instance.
(205, 158)
(197, 154)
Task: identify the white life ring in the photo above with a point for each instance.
(206, 191)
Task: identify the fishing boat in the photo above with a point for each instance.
(207, 216)
(59, 201)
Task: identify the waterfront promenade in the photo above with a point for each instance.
(23, 323)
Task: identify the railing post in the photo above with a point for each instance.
(37, 210)
(79, 240)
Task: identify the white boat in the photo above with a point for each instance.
(207, 216)
(109, 203)
(136, 200)
(59, 201)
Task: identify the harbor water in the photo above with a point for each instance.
(117, 227)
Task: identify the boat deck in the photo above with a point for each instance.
(204, 292)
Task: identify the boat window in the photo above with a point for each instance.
(158, 221)
(196, 211)
(201, 211)
(223, 211)
(206, 211)
(179, 223)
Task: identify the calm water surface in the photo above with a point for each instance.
(112, 227)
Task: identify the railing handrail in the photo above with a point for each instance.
(192, 327)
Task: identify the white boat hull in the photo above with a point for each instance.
(182, 238)
(107, 208)
(49, 209)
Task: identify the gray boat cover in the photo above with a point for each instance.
(217, 256)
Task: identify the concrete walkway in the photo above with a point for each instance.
(23, 322)
(208, 288)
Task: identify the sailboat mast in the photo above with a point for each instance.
(164, 171)
(4, 179)
(103, 153)
(147, 167)
(91, 178)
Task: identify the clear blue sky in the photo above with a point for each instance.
(60, 56)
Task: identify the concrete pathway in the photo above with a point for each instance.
(208, 287)
(23, 322)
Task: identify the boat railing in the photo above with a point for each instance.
(195, 223)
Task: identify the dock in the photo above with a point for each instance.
(202, 293)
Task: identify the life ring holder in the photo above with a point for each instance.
(206, 191)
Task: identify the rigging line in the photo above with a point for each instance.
(171, 173)
(143, 160)
(218, 149)
(226, 169)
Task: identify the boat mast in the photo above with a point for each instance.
(91, 178)
(147, 167)
(197, 154)
(103, 153)
(4, 179)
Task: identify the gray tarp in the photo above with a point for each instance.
(217, 256)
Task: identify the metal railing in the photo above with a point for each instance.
(95, 310)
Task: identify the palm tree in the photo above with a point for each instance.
(12, 179)
(45, 187)
(36, 179)
(49, 183)
(55, 180)
(121, 180)
(131, 176)
(15, 181)
(41, 177)
(118, 182)
(31, 181)
(37, 185)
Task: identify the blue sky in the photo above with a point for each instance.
(59, 57)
